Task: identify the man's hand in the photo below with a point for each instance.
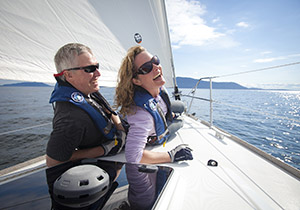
(115, 145)
(181, 152)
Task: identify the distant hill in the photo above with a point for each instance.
(182, 82)
(28, 84)
(186, 82)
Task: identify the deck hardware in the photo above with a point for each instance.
(212, 163)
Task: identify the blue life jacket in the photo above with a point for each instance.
(74, 96)
(144, 99)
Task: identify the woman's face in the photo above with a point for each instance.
(151, 81)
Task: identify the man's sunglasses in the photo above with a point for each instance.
(148, 66)
(87, 69)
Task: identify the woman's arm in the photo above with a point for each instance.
(155, 157)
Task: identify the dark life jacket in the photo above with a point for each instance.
(144, 99)
(63, 91)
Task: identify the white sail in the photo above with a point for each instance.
(32, 31)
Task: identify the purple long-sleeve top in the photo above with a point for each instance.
(142, 186)
(141, 126)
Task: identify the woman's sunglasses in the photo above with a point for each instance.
(148, 66)
(87, 69)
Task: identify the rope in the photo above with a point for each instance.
(256, 70)
(239, 73)
(22, 129)
(203, 99)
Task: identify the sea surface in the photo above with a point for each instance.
(270, 120)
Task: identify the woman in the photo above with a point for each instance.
(140, 95)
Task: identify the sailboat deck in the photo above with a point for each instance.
(242, 179)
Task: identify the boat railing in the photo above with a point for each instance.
(191, 94)
(204, 99)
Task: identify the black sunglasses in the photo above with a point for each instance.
(87, 69)
(148, 66)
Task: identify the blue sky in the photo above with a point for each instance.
(220, 37)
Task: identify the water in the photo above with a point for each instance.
(263, 118)
(22, 107)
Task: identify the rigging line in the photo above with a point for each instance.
(256, 70)
(22, 129)
(243, 188)
(203, 99)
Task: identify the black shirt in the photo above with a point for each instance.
(72, 128)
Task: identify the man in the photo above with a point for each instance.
(84, 125)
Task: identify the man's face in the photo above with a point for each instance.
(85, 82)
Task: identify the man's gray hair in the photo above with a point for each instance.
(66, 55)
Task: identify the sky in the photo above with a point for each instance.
(223, 37)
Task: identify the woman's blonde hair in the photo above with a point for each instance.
(125, 87)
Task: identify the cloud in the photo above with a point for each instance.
(216, 20)
(242, 24)
(266, 52)
(267, 60)
(187, 27)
